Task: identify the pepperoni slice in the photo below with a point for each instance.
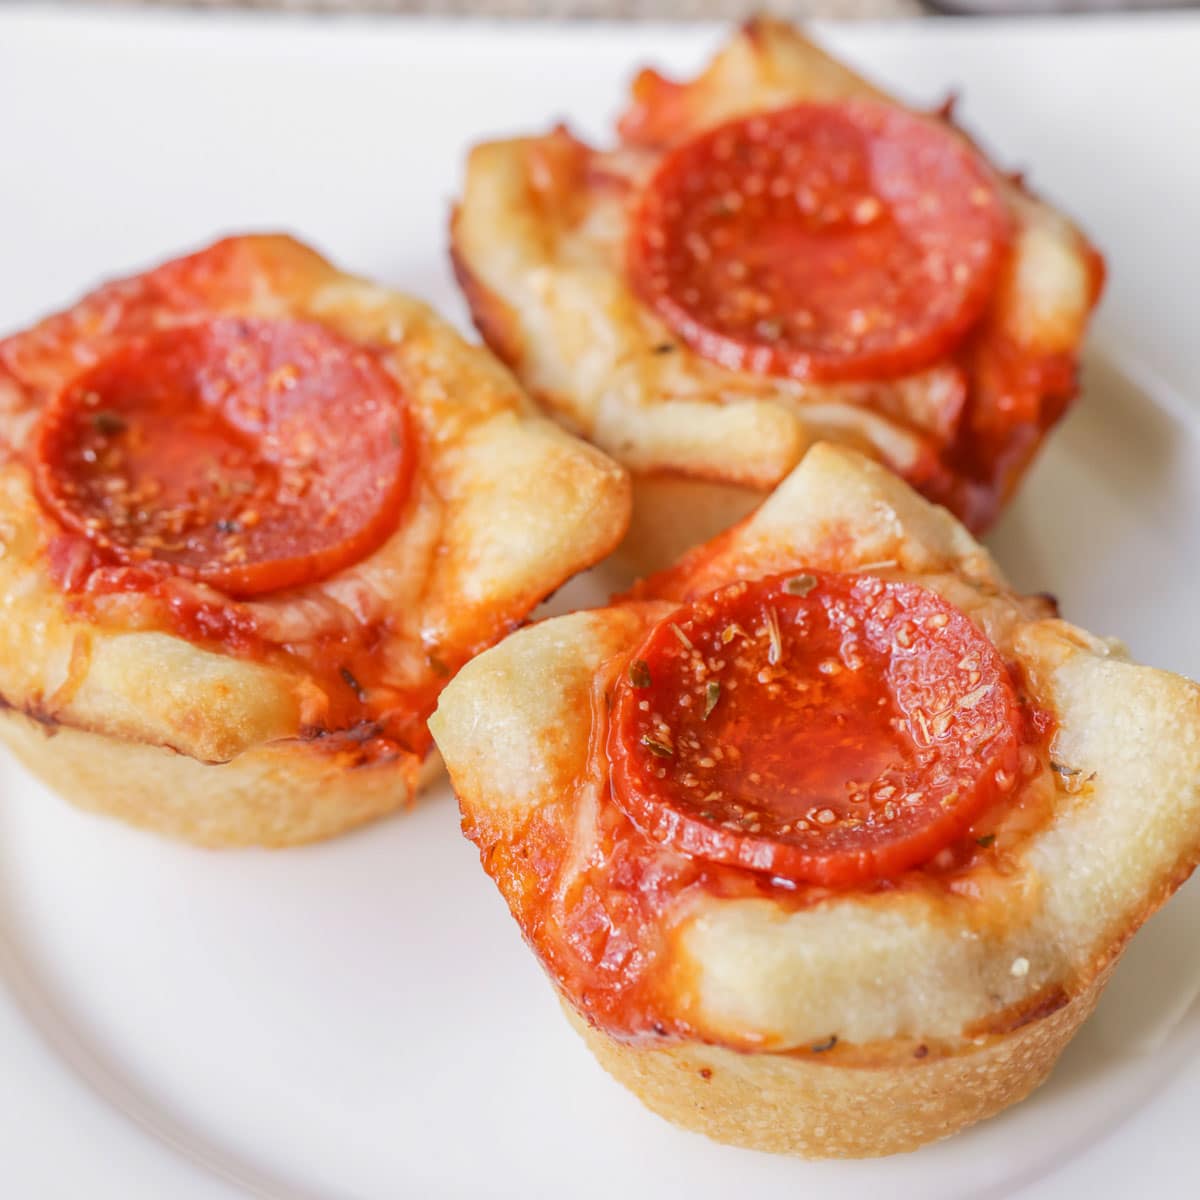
(822, 242)
(821, 728)
(249, 454)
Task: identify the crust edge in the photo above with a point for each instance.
(275, 795)
(792, 1104)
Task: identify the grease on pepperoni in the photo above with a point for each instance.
(823, 241)
(249, 454)
(819, 728)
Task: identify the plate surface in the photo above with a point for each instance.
(360, 1019)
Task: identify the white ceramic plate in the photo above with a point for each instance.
(361, 1019)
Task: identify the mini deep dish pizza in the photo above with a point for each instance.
(254, 513)
(773, 254)
(828, 839)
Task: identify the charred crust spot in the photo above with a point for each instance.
(365, 744)
(1050, 600)
(921, 1051)
(364, 731)
(756, 29)
(1049, 1003)
(34, 712)
(50, 724)
(945, 110)
(1036, 1008)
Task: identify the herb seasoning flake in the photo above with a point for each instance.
(639, 673)
(657, 748)
(800, 585)
(352, 683)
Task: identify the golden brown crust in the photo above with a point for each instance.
(809, 1106)
(988, 973)
(505, 507)
(275, 795)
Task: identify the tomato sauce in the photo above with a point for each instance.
(600, 901)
